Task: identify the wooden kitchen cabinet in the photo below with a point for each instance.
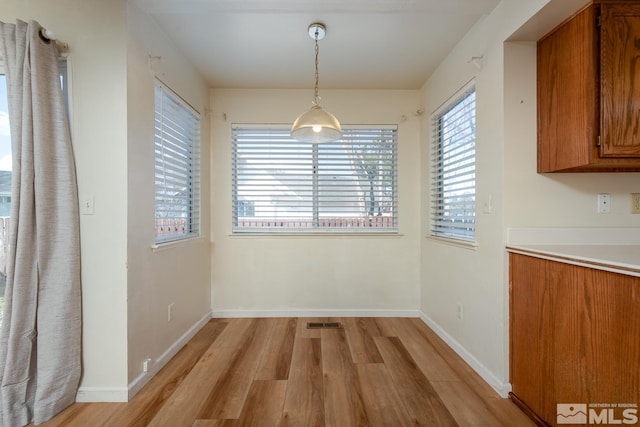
(574, 336)
(588, 90)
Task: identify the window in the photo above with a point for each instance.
(283, 185)
(453, 186)
(177, 172)
(5, 185)
(6, 166)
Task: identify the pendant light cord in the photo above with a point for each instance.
(316, 98)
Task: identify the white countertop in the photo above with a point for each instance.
(615, 250)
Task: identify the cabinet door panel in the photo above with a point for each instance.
(620, 80)
(611, 336)
(575, 335)
(570, 338)
(567, 94)
(531, 369)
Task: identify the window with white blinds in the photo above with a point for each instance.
(283, 185)
(453, 185)
(177, 167)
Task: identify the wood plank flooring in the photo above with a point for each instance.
(276, 372)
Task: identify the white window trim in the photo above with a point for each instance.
(194, 218)
(322, 231)
(449, 104)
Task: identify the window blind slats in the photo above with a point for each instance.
(450, 174)
(177, 177)
(450, 136)
(280, 184)
(453, 170)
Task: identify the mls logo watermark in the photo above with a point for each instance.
(597, 413)
(571, 413)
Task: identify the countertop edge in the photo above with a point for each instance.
(574, 260)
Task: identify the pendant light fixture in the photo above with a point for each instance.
(317, 124)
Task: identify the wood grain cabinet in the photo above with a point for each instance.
(574, 336)
(588, 75)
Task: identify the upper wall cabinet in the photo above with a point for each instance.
(589, 91)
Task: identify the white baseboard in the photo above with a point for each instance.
(122, 394)
(490, 378)
(116, 394)
(314, 313)
(155, 365)
(102, 394)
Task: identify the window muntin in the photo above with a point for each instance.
(283, 185)
(177, 168)
(453, 186)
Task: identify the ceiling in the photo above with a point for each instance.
(370, 44)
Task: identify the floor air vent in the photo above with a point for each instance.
(324, 325)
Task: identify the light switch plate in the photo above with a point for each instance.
(87, 206)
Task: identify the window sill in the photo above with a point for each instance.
(163, 246)
(465, 244)
(325, 234)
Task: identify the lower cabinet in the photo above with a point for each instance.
(574, 341)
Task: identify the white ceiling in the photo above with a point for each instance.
(370, 44)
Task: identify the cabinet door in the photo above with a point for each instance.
(574, 335)
(620, 80)
(531, 331)
(567, 94)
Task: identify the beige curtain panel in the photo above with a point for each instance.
(40, 357)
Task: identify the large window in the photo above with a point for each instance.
(177, 172)
(283, 185)
(6, 166)
(5, 185)
(453, 186)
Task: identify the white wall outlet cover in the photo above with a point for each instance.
(604, 203)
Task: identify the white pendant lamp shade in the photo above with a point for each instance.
(316, 125)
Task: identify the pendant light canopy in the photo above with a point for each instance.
(317, 124)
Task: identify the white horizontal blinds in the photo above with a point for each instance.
(177, 174)
(453, 194)
(272, 179)
(280, 184)
(357, 178)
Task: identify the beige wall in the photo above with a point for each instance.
(453, 275)
(125, 309)
(177, 274)
(506, 175)
(273, 275)
(96, 33)
(111, 97)
(551, 200)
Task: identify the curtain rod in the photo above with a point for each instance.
(48, 36)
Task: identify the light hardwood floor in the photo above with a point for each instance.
(276, 372)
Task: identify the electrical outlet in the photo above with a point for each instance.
(635, 203)
(169, 312)
(459, 314)
(604, 203)
(145, 364)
